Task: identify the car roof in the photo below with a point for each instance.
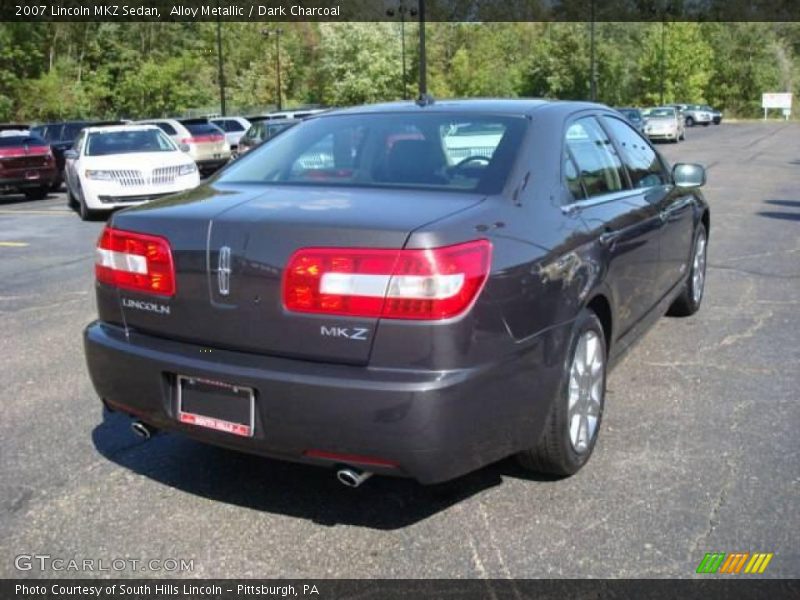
(112, 128)
(503, 106)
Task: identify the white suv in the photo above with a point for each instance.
(124, 165)
(234, 128)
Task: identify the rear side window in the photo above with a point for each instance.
(644, 167)
(600, 167)
(166, 128)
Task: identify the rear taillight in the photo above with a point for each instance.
(135, 261)
(436, 283)
(25, 151)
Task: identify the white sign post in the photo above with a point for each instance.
(779, 100)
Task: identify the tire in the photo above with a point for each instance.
(71, 201)
(84, 211)
(691, 296)
(567, 442)
(39, 193)
(689, 121)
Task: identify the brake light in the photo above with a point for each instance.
(430, 284)
(23, 151)
(135, 261)
(199, 139)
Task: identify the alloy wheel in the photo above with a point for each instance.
(699, 268)
(586, 387)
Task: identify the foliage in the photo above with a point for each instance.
(78, 70)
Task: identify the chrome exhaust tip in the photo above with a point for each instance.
(143, 430)
(352, 477)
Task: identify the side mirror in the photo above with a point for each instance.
(688, 175)
(184, 147)
(70, 154)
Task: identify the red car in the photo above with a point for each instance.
(27, 165)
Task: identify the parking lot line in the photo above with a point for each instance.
(14, 244)
(58, 213)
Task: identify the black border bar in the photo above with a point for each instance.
(740, 588)
(376, 10)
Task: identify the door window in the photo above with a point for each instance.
(643, 164)
(600, 168)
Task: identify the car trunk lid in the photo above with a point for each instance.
(230, 253)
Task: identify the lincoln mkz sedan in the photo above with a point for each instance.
(401, 289)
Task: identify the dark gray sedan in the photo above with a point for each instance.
(403, 289)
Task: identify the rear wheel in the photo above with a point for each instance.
(691, 296)
(574, 421)
(39, 193)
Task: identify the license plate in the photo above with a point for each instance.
(32, 175)
(216, 405)
(218, 155)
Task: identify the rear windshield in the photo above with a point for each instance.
(128, 142)
(229, 125)
(662, 112)
(202, 129)
(432, 151)
(11, 141)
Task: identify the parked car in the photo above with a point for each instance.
(375, 305)
(665, 123)
(234, 128)
(716, 115)
(262, 130)
(694, 114)
(200, 139)
(27, 165)
(634, 116)
(123, 165)
(61, 136)
(300, 113)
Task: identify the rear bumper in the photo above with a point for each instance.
(212, 164)
(21, 182)
(663, 135)
(432, 425)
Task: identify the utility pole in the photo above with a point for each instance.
(221, 70)
(592, 62)
(663, 57)
(423, 60)
(402, 9)
(277, 34)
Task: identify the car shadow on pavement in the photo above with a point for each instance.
(19, 199)
(285, 488)
(787, 216)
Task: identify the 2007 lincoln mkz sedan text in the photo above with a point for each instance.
(413, 289)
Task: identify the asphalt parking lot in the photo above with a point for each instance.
(699, 452)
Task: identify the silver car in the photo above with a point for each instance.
(665, 123)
